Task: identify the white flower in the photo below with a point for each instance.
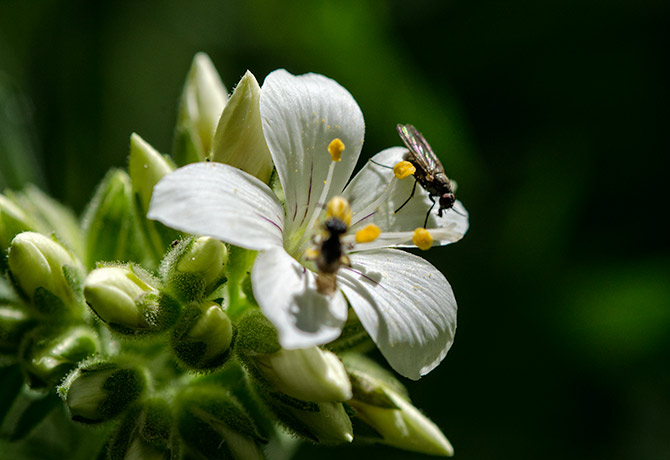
(405, 304)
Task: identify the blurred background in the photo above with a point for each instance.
(552, 117)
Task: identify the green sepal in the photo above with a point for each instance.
(256, 334)
(353, 338)
(206, 414)
(368, 374)
(146, 430)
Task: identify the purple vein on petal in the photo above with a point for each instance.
(362, 275)
(269, 220)
(309, 192)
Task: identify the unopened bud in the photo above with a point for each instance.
(195, 267)
(127, 303)
(202, 102)
(47, 216)
(239, 139)
(100, 391)
(47, 357)
(212, 423)
(145, 434)
(309, 374)
(325, 422)
(382, 404)
(203, 337)
(13, 220)
(45, 272)
(146, 167)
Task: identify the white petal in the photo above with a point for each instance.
(286, 293)
(301, 115)
(374, 194)
(405, 304)
(217, 200)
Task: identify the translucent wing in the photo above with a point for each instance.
(420, 149)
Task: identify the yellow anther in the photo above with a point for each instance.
(403, 169)
(311, 254)
(368, 234)
(335, 148)
(339, 208)
(422, 239)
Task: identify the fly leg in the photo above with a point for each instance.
(410, 197)
(425, 222)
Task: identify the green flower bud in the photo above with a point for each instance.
(47, 216)
(45, 272)
(203, 337)
(309, 374)
(202, 102)
(114, 226)
(13, 220)
(213, 424)
(47, 357)
(14, 323)
(100, 391)
(145, 434)
(127, 303)
(324, 422)
(195, 267)
(146, 167)
(381, 403)
(239, 139)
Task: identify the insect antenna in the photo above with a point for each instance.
(379, 164)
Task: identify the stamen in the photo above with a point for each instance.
(335, 148)
(422, 239)
(368, 234)
(403, 169)
(339, 208)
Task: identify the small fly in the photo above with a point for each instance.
(329, 253)
(429, 171)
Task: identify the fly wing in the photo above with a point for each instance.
(420, 149)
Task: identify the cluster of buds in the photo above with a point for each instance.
(158, 335)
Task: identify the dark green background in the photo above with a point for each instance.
(551, 115)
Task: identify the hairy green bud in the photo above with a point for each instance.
(45, 272)
(203, 337)
(127, 303)
(96, 392)
(195, 267)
